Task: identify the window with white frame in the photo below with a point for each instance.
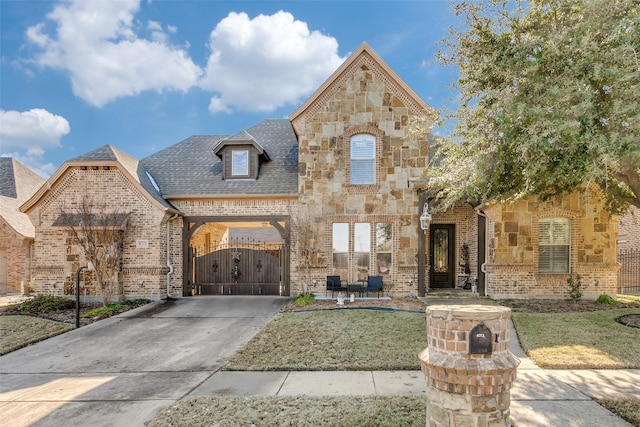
(554, 241)
(363, 159)
(240, 162)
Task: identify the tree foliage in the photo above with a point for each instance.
(549, 101)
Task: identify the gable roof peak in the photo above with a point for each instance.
(363, 56)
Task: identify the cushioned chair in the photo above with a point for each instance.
(374, 284)
(335, 284)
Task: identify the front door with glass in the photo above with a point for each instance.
(442, 256)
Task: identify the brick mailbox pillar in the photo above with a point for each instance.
(468, 366)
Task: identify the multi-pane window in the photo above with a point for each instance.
(353, 247)
(240, 162)
(384, 246)
(363, 159)
(341, 249)
(554, 240)
(362, 249)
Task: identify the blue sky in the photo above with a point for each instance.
(144, 75)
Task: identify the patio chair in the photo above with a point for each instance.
(374, 284)
(335, 284)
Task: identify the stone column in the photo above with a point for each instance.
(468, 366)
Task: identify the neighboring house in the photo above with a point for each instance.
(17, 184)
(629, 230)
(629, 252)
(333, 190)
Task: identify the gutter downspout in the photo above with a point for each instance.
(170, 272)
(483, 267)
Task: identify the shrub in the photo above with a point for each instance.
(575, 288)
(606, 299)
(115, 308)
(45, 304)
(302, 300)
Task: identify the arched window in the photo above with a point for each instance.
(363, 159)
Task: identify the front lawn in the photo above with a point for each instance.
(582, 340)
(330, 340)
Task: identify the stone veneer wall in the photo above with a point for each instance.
(277, 207)
(144, 253)
(18, 253)
(512, 261)
(364, 99)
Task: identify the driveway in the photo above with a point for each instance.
(123, 370)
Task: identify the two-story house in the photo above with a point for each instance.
(335, 189)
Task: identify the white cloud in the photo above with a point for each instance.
(262, 63)
(96, 41)
(32, 132)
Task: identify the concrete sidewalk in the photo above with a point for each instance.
(539, 397)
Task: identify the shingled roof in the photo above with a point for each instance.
(131, 164)
(108, 155)
(17, 184)
(192, 168)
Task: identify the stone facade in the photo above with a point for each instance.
(362, 97)
(513, 247)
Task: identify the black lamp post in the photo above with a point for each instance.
(90, 267)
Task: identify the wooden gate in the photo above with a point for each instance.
(239, 269)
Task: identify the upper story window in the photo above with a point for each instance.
(554, 240)
(363, 159)
(240, 163)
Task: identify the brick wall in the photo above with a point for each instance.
(17, 250)
(629, 230)
(56, 258)
(512, 261)
(465, 219)
(232, 208)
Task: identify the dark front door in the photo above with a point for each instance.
(442, 256)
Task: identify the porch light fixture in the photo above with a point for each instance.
(425, 218)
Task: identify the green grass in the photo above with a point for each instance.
(584, 340)
(348, 339)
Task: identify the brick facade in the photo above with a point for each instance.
(57, 258)
(15, 251)
(629, 230)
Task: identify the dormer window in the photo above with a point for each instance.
(241, 156)
(239, 163)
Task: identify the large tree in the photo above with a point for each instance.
(549, 101)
